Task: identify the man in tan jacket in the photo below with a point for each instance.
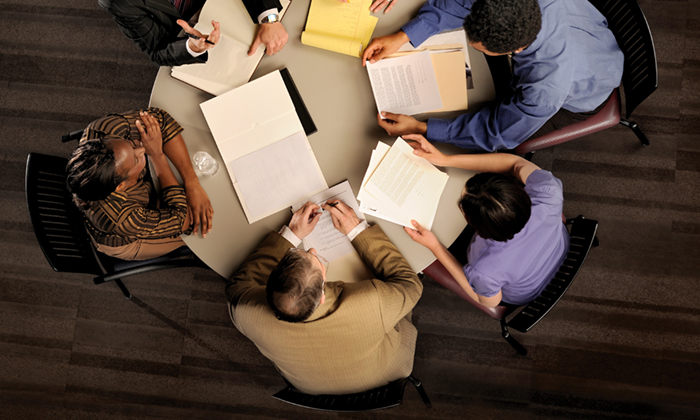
(327, 336)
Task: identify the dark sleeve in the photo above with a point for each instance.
(157, 38)
(255, 7)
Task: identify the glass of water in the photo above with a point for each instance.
(205, 163)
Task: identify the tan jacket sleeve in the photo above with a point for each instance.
(255, 270)
(400, 288)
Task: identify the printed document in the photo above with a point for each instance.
(403, 186)
(345, 28)
(441, 40)
(329, 241)
(406, 84)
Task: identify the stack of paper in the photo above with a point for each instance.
(263, 145)
(229, 65)
(443, 40)
(340, 27)
(415, 82)
(400, 186)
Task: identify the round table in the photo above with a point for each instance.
(338, 95)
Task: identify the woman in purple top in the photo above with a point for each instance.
(515, 208)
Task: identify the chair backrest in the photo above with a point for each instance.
(582, 236)
(387, 396)
(57, 223)
(627, 22)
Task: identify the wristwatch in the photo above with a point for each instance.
(271, 18)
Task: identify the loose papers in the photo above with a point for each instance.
(416, 82)
(405, 85)
(345, 28)
(399, 186)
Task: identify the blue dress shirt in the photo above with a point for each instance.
(574, 64)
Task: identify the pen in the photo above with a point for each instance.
(334, 204)
(193, 36)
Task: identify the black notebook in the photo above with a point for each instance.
(302, 112)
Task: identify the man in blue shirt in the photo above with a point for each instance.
(565, 64)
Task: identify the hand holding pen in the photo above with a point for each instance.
(199, 42)
(344, 217)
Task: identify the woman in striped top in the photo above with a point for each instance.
(110, 182)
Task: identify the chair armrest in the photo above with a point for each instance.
(163, 265)
(439, 273)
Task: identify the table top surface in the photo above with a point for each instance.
(337, 93)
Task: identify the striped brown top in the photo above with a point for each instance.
(135, 213)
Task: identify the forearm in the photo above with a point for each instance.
(436, 16)
(165, 175)
(176, 151)
(457, 272)
(387, 263)
(455, 269)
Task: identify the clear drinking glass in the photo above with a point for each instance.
(205, 163)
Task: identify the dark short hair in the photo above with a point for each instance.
(503, 26)
(294, 287)
(91, 173)
(496, 206)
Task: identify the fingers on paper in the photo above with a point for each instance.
(254, 47)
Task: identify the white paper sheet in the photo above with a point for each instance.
(228, 67)
(276, 176)
(451, 37)
(405, 186)
(405, 85)
(329, 241)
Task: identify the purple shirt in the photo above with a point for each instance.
(523, 266)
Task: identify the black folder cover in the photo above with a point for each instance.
(306, 121)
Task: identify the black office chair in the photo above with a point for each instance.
(640, 77)
(60, 230)
(582, 238)
(387, 396)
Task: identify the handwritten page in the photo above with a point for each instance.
(276, 176)
(329, 241)
(406, 186)
(345, 28)
(405, 85)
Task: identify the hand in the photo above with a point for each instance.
(384, 45)
(201, 44)
(378, 4)
(423, 236)
(399, 124)
(273, 35)
(151, 137)
(305, 219)
(423, 148)
(344, 217)
(198, 207)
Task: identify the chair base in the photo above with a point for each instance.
(637, 130)
(123, 288)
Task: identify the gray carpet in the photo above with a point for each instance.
(623, 344)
